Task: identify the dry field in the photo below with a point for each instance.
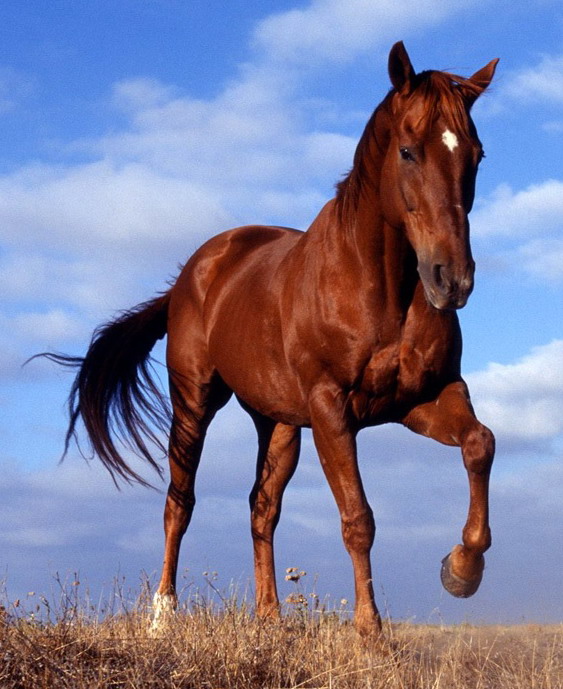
(221, 646)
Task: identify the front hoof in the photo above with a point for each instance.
(458, 587)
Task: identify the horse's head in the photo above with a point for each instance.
(429, 171)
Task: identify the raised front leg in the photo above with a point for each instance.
(336, 444)
(278, 453)
(450, 419)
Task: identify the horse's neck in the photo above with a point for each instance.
(361, 247)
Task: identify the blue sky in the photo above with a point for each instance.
(131, 132)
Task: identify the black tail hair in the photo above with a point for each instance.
(114, 392)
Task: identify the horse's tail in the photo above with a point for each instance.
(115, 393)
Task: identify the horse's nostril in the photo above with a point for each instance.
(444, 280)
(438, 274)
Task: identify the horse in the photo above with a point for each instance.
(347, 325)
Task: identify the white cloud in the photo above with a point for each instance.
(141, 94)
(554, 126)
(542, 82)
(51, 326)
(25, 333)
(245, 146)
(11, 358)
(14, 88)
(523, 400)
(334, 31)
(102, 207)
(527, 226)
(248, 124)
(74, 489)
(97, 237)
(327, 150)
(84, 283)
(543, 258)
(536, 210)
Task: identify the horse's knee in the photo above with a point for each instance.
(180, 499)
(479, 450)
(264, 517)
(178, 509)
(358, 531)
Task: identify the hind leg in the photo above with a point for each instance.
(278, 454)
(193, 409)
(450, 419)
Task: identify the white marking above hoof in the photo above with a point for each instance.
(164, 608)
(450, 139)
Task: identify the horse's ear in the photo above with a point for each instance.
(476, 84)
(401, 71)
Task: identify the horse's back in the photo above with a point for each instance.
(229, 260)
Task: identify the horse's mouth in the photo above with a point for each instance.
(446, 303)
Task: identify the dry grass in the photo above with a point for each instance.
(221, 646)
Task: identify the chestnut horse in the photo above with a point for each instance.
(347, 325)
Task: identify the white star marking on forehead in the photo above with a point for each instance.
(450, 139)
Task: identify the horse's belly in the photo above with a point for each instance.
(259, 378)
(245, 344)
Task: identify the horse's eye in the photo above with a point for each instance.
(406, 154)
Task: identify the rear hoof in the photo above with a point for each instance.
(164, 610)
(368, 625)
(458, 587)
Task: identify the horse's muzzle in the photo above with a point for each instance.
(445, 287)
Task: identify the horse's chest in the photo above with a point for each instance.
(420, 364)
(400, 376)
